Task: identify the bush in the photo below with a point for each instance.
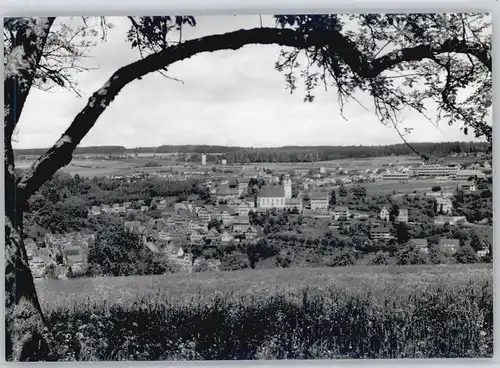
(283, 326)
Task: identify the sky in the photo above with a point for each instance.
(233, 98)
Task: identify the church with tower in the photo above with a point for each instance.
(278, 196)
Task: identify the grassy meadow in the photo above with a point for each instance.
(295, 313)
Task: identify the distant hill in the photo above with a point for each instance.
(286, 153)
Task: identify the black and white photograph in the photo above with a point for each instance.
(248, 187)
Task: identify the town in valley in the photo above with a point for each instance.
(197, 212)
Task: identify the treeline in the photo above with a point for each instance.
(289, 153)
(326, 153)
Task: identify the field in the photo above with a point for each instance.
(92, 167)
(352, 312)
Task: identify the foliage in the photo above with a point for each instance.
(117, 252)
(333, 198)
(410, 256)
(393, 213)
(466, 254)
(308, 322)
(342, 191)
(357, 54)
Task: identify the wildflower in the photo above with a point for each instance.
(482, 333)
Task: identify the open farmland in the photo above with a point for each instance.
(381, 280)
(354, 312)
(90, 168)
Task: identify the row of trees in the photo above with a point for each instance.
(287, 154)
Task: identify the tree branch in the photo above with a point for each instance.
(61, 153)
(429, 52)
(17, 86)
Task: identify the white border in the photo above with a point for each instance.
(199, 7)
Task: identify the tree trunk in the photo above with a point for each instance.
(24, 323)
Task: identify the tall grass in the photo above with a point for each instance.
(436, 320)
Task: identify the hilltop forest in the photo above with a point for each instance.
(287, 153)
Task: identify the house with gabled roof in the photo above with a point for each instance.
(380, 233)
(241, 223)
(164, 236)
(226, 237)
(180, 206)
(250, 201)
(169, 222)
(242, 186)
(341, 213)
(213, 235)
(243, 209)
(75, 258)
(204, 215)
(419, 244)
(195, 237)
(319, 201)
(449, 246)
(402, 215)
(250, 233)
(226, 192)
(384, 214)
(216, 214)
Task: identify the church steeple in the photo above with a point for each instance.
(287, 183)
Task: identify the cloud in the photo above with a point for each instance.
(227, 97)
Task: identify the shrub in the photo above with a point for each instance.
(306, 325)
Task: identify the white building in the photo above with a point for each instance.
(436, 170)
(452, 220)
(419, 245)
(287, 184)
(444, 205)
(483, 252)
(380, 233)
(466, 174)
(319, 201)
(449, 246)
(402, 215)
(398, 177)
(467, 186)
(341, 213)
(203, 159)
(271, 197)
(243, 209)
(384, 214)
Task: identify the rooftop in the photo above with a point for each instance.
(319, 195)
(449, 241)
(380, 230)
(272, 192)
(421, 242)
